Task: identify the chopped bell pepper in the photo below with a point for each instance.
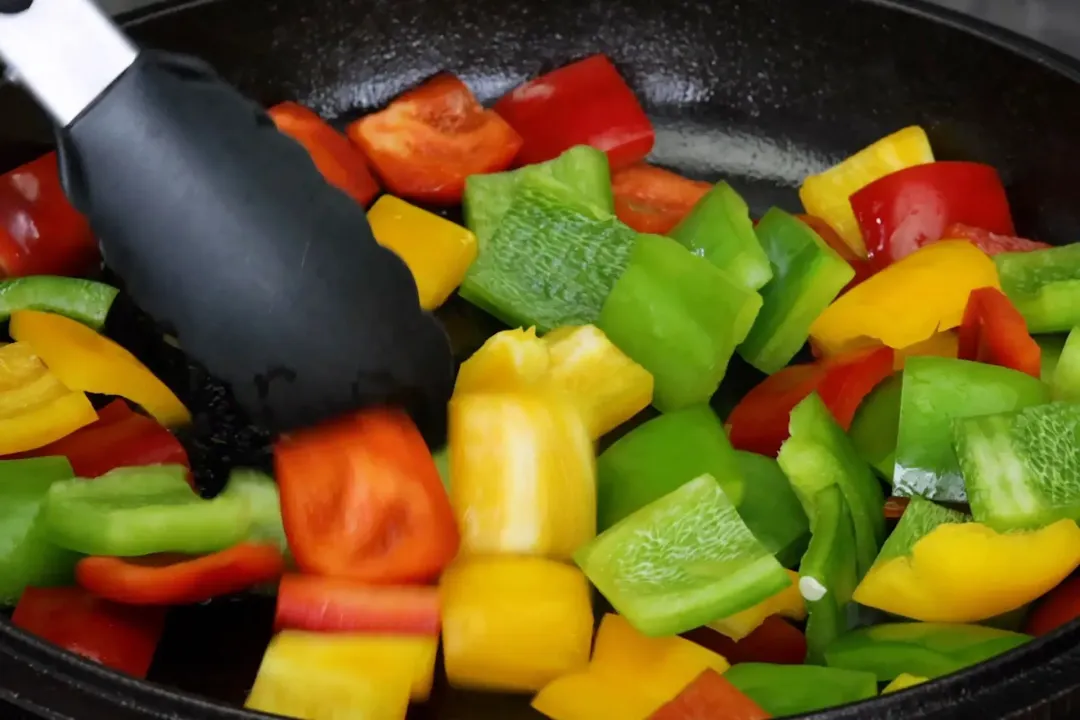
(514, 623)
(787, 603)
(1044, 285)
(1051, 346)
(117, 636)
(992, 243)
(317, 676)
(27, 557)
(770, 508)
(927, 650)
(874, 429)
(994, 332)
(36, 407)
(84, 360)
(903, 681)
(827, 195)
(1065, 380)
(428, 140)
(908, 301)
(943, 344)
(937, 391)
(774, 641)
(1058, 607)
(437, 251)
(509, 361)
(682, 561)
(680, 317)
(807, 275)
(909, 208)
(653, 200)
(83, 300)
(323, 604)
(593, 696)
(583, 103)
(937, 567)
(783, 690)
(859, 264)
(718, 228)
(710, 697)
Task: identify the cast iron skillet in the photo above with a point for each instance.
(760, 92)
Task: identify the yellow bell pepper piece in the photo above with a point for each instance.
(907, 302)
(828, 194)
(84, 360)
(943, 344)
(509, 361)
(593, 696)
(967, 572)
(524, 472)
(35, 407)
(514, 623)
(437, 251)
(316, 676)
(903, 682)
(788, 603)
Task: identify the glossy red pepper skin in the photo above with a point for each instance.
(710, 697)
(1058, 607)
(993, 331)
(584, 103)
(910, 208)
(992, 243)
(323, 604)
(653, 200)
(120, 637)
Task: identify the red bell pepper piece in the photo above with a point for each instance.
(584, 103)
(774, 641)
(759, 423)
(912, 207)
(653, 200)
(895, 507)
(180, 580)
(993, 331)
(323, 604)
(120, 437)
(339, 161)
(992, 243)
(1058, 607)
(430, 139)
(825, 231)
(40, 232)
(117, 636)
(710, 697)
(361, 498)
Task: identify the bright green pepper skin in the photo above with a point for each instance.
(783, 690)
(1044, 285)
(1051, 346)
(936, 391)
(83, 300)
(927, 650)
(876, 424)
(1065, 381)
(827, 574)
(770, 508)
(27, 557)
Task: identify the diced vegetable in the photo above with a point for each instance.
(787, 603)
(710, 696)
(322, 604)
(807, 275)
(912, 207)
(827, 195)
(783, 690)
(908, 301)
(437, 251)
(774, 641)
(83, 300)
(682, 561)
(84, 360)
(903, 681)
(874, 429)
(260, 493)
(427, 141)
(1044, 285)
(584, 103)
(770, 508)
(376, 466)
(653, 200)
(514, 623)
(943, 344)
(994, 332)
(935, 392)
(989, 242)
(117, 636)
(679, 317)
(1065, 381)
(339, 161)
(1058, 607)
(862, 267)
(593, 696)
(718, 228)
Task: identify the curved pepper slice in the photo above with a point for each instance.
(83, 300)
(785, 690)
(908, 301)
(771, 509)
(653, 200)
(322, 604)
(84, 360)
(994, 332)
(710, 696)
(166, 580)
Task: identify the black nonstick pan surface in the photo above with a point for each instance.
(758, 92)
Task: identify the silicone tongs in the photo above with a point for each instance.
(223, 230)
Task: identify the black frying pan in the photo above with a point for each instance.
(760, 92)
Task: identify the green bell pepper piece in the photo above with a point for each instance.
(1044, 285)
(718, 228)
(827, 574)
(681, 562)
(1022, 469)
(1065, 382)
(807, 276)
(936, 391)
(259, 491)
(927, 650)
(679, 317)
(770, 508)
(876, 425)
(83, 300)
(783, 690)
(919, 519)
(27, 557)
(1051, 346)
(819, 454)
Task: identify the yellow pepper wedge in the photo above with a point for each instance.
(827, 195)
(317, 676)
(593, 696)
(907, 302)
(943, 344)
(787, 603)
(509, 361)
(967, 572)
(437, 251)
(84, 360)
(35, 407)
(903, 682)
(513, 623)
